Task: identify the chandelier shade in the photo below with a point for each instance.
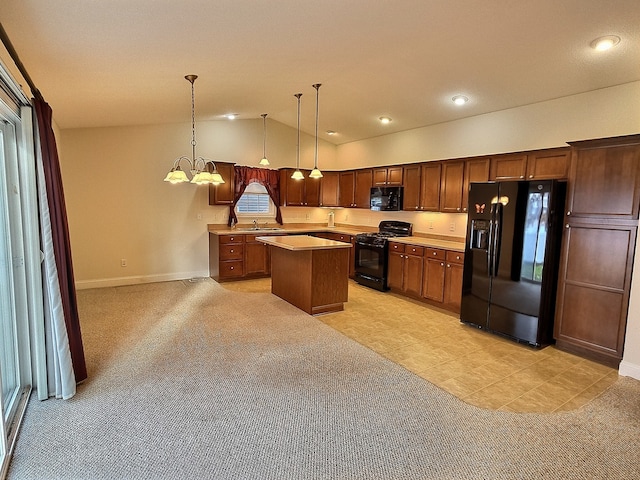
(297, 174)
(316, 173)
(264, 160)
(203, 171)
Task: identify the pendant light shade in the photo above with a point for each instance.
(204, 171)
(264, 160)
(297, 175)
(316, 173)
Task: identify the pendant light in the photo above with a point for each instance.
(264, 160)
(297, 175)
(316, 173)
(198, 166)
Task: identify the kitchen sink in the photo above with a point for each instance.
(260, 229)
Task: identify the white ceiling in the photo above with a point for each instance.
(122, 62)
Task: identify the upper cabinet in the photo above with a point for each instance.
(430, 186)
(476, 170)
(508, 167)
(299, 193)
(412, 184)
(548, 164)
(223, 194)
(387, 176)
(355, 188)
(451, 186)
(330, 189)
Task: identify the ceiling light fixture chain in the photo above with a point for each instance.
(198, 166)
(264, 160)
(297, 174)
(316, 173)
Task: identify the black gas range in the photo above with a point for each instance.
(372, 253)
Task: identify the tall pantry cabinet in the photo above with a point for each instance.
(601, 223)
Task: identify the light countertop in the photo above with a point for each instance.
(302, 242)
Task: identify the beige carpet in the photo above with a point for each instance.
(188, 380)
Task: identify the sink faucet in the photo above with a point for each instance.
(255, 225)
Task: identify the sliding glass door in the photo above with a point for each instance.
(15, 361)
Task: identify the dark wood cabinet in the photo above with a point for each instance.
(548, 164)
(454, 268)
(226, 256)
(598, 248)
(508, 167)
(299, 193)
(405, 268)
(256, 256)
(412, 184)
(451, 186)
(430, 186)
(330, 189)
(363, 184)
(347, 189)
(475, 170)
(434, 275)
(342, 237)
(387, 176)
(223, 194)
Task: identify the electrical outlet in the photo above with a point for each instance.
(430, 225)
(199, 216)
(452, 227)
(308, 217)
(346, 217)
(123, 262)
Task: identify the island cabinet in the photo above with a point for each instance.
(330, 189)
(405, 268)
(387, 176)
(598, 248)
(223, 194)
(442, 279)
(342, 237)
(299, 193)
(355, 188)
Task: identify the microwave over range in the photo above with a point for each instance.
(385, 199)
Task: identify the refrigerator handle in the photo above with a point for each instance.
(494, 239)
(497, 237)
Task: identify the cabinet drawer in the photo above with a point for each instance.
(396, 247)
(231, 268)
(231, 239)
(455, 257)
(414, 250)
(435, 253)
(232, 251)
(343, 238)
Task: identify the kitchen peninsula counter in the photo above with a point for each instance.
(309, 272)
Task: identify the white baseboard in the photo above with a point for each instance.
(135, 280)
(629, 370)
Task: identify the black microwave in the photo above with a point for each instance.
(386, 198)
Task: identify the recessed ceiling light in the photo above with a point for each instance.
(231, 116)
(460, 99)
(605, 43)
(330, 132)
(385, 120)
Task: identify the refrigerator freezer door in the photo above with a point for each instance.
(516, 289)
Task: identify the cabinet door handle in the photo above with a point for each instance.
(448, 265)
(530, 176)
(231, 250)
(566, 226)
(231, 268)
(442, 264)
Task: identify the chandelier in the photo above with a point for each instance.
(297, 174)
(264, 160)
(203, 171)
(316, 173)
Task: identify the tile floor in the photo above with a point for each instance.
(480, 368)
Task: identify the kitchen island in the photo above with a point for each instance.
(309, 272)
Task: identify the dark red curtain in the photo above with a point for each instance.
(60, 233)
(244, 176)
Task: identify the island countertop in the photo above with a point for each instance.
(302, 242)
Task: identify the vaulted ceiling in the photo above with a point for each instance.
(123, 62)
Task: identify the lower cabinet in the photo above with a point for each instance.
(431, 274)
(232, 257)
(405, 268)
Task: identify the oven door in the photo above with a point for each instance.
(371, 265)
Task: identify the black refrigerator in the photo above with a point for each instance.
(514, 231)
